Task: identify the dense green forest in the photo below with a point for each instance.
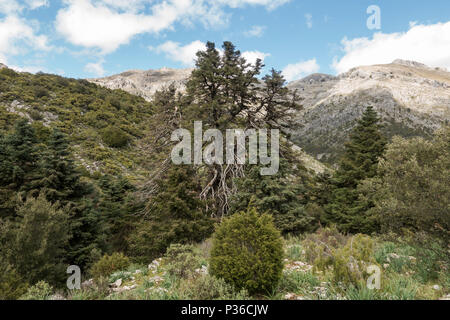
(86, 179)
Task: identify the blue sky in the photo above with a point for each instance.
(92, 38)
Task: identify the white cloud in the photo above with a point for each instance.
(34, 4)
(428, 44)
(309, 20)
(108, 24)
(102, 25)
(187, 54)
(17, 35)
(184, 54)
(95, 68)
(301, 69)
(13, 7)
(30, 69)
(269, 4)
(88, 25)
(9, 6)
(251, 56)
(127, 5)
(412, 23)
(255, 31)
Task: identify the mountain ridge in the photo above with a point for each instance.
(410, 97)
(145, 83)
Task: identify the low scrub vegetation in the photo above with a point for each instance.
(185, 273)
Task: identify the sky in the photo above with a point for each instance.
(96, 38)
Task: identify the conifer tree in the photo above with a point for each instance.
(19, 166)
(359, 162)
(117, 206)
(283, 196)
(224, 92)
(175, 215)
(60, 180)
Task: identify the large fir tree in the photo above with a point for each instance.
(19, 166)
(224, 92)
(60, 180)
(360, 159)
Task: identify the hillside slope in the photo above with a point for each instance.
(90, 115)
(103, 125)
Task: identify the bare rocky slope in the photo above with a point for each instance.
(411, 98)
(145, 83)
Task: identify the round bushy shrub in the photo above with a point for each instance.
(115, 137)
(108, 264)
(40, 92)
(247, 252)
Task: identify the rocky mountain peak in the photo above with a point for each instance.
(316, 78)
(410, 63)
(145, 83)
(410, 97)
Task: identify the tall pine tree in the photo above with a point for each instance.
(359, 162)
(224, 92)
(60, 180)
(19, 166)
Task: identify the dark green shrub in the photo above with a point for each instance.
(247, 252)
(115, 102)
(175, 215)
(412, 171)
(108, 264)
(40, 92)
(115, 137)
(12, 285)
(61, 81)
(35, 115)
(36, 240)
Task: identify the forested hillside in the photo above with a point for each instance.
(87, 179)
